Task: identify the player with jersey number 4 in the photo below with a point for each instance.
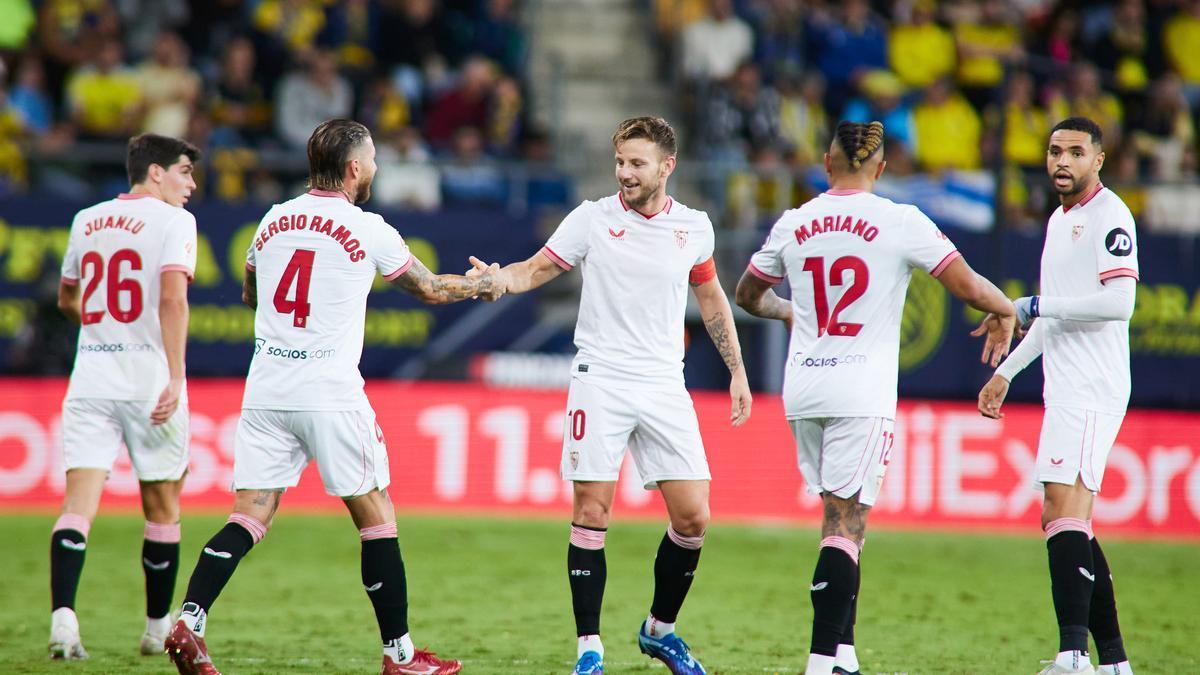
(639, 252)
(316, 257)
(848, 256)
(132, 257)
(1080, 329)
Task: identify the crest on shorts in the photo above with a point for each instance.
(574, 460)
(1076, 232)
(681, 238)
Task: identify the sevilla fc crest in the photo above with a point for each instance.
(681, 238)
(574, 460)
(1076, 232)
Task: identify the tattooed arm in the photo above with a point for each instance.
(756, 297)
(250, 289)
(440, 289)
(718, 320)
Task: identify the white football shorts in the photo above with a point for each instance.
(843, 455)
(93, 430)
(272, 447)
(659, 428)
(1075, 443)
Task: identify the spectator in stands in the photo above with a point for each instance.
(405, 176)
(1181, 35)
(465, 105)
(1060, 42)
(948, 130)
(143, 21)
(30, 98)
(780, 42)
(986, 43)
(307, 98)
(1165, 138)
(1086, 98)
(13, 133)
(741, 115)
(104, 97)
(71, 33)
(238, 106)
(16, 23)
(845, 46)
(496, 33)
(883, 98)
(547, 187)
(504, 117)
(1123, 47)
(803, 124)
(919, 49)
(470, 178)
(284, 32)
(383, 108)
(352, 32)
(170, 88)
(713, 47)
(1025, 123)
(420, 41)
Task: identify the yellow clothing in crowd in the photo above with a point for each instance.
(921, 54)
(1024, 134)
(298, 23)
(1181, 38)
(804, 125)
(984, 71)
(103, 100)
(947, 134)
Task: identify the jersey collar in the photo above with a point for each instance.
(1095, 191)
(328, 193)
(665, 209)
(134, 195)
(842, 192)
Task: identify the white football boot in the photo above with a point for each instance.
(1081, 666)
(156, 634)
(64, 636)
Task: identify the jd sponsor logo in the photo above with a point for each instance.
(1118, 242)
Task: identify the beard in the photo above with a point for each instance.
(363, 193)
(1074, 188)
(643, 195)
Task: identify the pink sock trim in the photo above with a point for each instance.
(162, 532)
(1091, 533)
(73, 521)
(690, 543)
(385, 531)
(843, 544)
(582, 537)
(1067, 525)
(254, 526)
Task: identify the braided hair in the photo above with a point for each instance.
(859, 141)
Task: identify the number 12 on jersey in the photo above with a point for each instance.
(298, 270)
(828, 322)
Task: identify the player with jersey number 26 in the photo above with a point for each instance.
(848, 256)
(316, 257)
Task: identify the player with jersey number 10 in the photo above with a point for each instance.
(132, 257)
(315, 258)
(848, 256)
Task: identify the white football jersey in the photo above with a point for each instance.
(118, 249)
(1086, 363)
(314, 258)
(635, 284)
(848, 256)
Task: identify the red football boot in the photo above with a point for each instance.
(188, 652)
(423, 663)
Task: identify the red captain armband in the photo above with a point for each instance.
(703, 273)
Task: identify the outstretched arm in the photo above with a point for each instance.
(441, 289)
(528, 274)
(755, 295)
(718, 320)
(1114, 302)
(975, 290)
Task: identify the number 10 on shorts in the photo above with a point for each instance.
(577, 424)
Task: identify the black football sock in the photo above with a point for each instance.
(160, 562)
(218, 560)
(67, 551)
(1102, 617)
(848, 631)
(386, 584)
(1071, 582)
(674, 570)
(587, 573)
(833, 588)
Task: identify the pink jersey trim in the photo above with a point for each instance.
(162, 533)
(403, 268)
(1067, 525)
(842, 544)
(250, 267)
(133, 195)
(587, 538)
(178, 268)
(70, 282)
(842, 192)
(665, 209)
(385, 531)
(1095, 191)
(763, 275)
(73, 521)
(254, 526)
(941, 267)
(328, 193)
(549, 253)
(1119, 272)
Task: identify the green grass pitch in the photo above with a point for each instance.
(493, 592)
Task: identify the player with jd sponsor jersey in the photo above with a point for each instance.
(848, 256)
(308, 273)
(124, 280)
(1080, 328)
(639, 251)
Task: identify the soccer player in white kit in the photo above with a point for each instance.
(315, 258)
(638, 250)
(124, 280)
(1081, 329)
(848, 256)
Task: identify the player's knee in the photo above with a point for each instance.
(691, 524)
(592, 513)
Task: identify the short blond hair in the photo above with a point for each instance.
(654, 129)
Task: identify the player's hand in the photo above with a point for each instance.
(1027, 309)
(991, 397)
(739, 395)
(168, 401)
(787, 323)
(999, 331)
(482, 269)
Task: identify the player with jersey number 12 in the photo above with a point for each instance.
(132, 257)
(848, 256)
(315, 258)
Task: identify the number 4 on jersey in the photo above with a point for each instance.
(299, 270)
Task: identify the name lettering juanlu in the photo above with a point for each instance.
(859, 228)
(318, 224)
(126, 223)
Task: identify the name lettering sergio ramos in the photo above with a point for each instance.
(314, 224)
